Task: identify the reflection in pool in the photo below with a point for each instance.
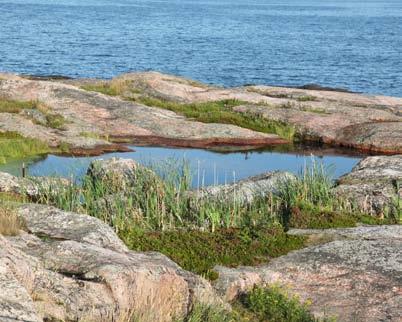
(213, 167)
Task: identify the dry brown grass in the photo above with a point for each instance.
(10, 223)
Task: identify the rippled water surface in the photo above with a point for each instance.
(207, 167)
(352, 44)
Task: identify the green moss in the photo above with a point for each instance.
(14, 146)
(14, 106)
(199, 251)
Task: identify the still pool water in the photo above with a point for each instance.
(340, 43)
(207, 167)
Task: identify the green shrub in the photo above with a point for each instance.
(55, 121)
(275, 305)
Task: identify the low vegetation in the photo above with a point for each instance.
(262, 304)
(55, 121)
(273, 303)
(10, 223)
(208, 112)
(228, 247)
(306, 98)
(156, 213)
(13, 146)
(51, 119)
(94, 135)
(316, 110)
(14, 106)
(222, 112)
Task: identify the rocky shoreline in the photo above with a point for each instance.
(103, 258)
(131, 108)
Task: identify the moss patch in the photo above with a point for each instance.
(199, 251)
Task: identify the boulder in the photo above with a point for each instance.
(374, 186)
(52, 223)
(355, 277)
(118, 174)
(71, 268)
(246, 190)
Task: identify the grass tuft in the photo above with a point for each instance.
(14, 146)
(14, 106)
(10, 223)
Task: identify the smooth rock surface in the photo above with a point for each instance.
(353, 279)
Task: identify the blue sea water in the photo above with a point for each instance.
(340, 43)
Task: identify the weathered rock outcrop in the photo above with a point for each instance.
(91, 117)
(72, 267)
(355, 278)
(369, 123)
(246, 190)
(374, 185)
